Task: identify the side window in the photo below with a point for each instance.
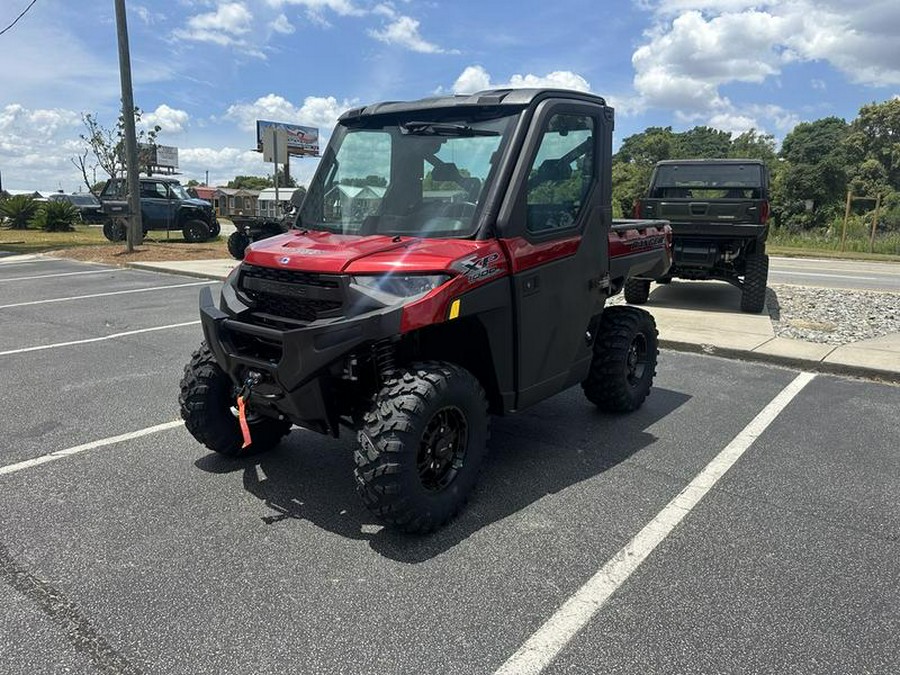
(562, 173)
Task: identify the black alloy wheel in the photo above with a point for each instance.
(442, 452)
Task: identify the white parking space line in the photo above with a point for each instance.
(103, 295)
(825, 275)
(68, 452)
(59, 274)
(112, 336)
(544, 645)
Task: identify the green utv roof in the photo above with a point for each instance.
(520, 98)
(679, 162)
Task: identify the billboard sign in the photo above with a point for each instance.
(167, 155)
(158, 158)
(300, 140)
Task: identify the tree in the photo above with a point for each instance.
(701, 143)
(193, 182)
(282, 181)
(107, 147)
(876, 132)
(753, 145)
(250, 183)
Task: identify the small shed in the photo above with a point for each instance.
(268, 206)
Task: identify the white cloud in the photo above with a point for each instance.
(476, 78)
(696, 47)
(282, 25)
(316, 111)
(228, 26)
(171, 120)
(403, 31)
(339, 7)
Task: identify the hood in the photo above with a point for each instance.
(199, 203)
(328, 253)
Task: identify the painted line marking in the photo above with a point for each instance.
(819, 274)
(68, 452)
(112, 336)
(574, 614)
(103, 295)
(58, 274)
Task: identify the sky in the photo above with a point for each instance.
(206, 70)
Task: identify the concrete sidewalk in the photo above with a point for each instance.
(700, 317)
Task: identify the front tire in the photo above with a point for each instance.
(114, 230)
(637, 291)
(421, 446)
(756, 276)
(237, 244)
(207, 394)
(624, 363)
(195, 231)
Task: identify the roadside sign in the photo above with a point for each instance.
(275, 145)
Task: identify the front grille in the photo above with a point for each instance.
(300, 296)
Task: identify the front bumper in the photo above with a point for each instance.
(296, 364)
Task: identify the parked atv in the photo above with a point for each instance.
(255, 228)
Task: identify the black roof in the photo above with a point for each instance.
(520, 98)
(665, 162)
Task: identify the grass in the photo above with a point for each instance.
(88, 244)
(38, 241)
(820, 244)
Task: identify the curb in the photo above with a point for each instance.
(196, 274)
(886, 376)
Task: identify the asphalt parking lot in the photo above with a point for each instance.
(150, 554)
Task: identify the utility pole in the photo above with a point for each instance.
(135, 227)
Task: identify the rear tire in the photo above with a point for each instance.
(114, 230)
(237, 244)
(624, 363)
(207, 394)
(421, 446)
(195, 231)
(637, 291)
(756, 275)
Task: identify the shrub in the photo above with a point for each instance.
(56, 217)
(18, 211)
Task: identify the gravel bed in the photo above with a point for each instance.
(832, 316)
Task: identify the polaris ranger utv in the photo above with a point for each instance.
(719, 211)
(451, 260)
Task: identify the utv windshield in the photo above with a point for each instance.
(414, 177)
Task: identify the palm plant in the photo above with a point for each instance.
(56, 217)
(18, 211)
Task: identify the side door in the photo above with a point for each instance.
(157, 205)
(554, 226)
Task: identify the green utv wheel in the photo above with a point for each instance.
(207, 394)
(237, 244)
(756, 276)
(624, 363)
(637, 291)
(421, 446)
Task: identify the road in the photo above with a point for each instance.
(126, 547)
(849, 274)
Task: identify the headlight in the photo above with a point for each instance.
(394, 288)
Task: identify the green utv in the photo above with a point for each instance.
(719, 210)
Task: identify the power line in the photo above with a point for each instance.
(24, 12)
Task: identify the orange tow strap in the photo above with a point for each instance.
(242, 416)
